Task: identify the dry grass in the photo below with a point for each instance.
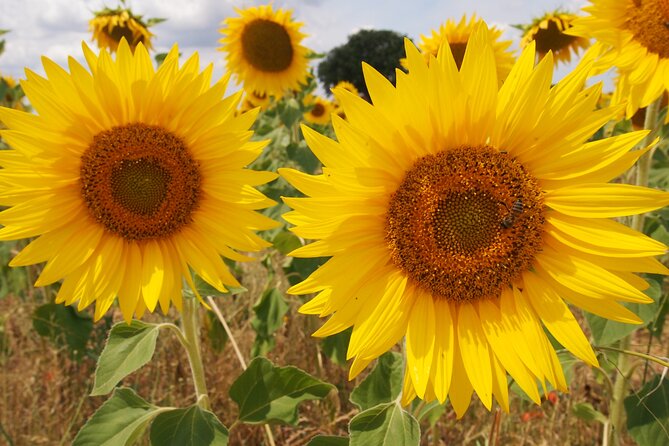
(43, 393)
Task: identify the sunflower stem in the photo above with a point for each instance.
(617, 411)
(644, 163)
(240, 358)
(191, 332)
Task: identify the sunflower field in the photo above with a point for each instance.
(396, 242)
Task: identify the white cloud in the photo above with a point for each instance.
(56, 28)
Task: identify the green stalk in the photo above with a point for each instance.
(617, 411)
(191, 332)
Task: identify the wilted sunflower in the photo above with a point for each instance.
(129, 178)
(320, 110)
(263, 50)
(458, 34)
(464, 217)
(109, 26)
(548, 33)
(635, 39)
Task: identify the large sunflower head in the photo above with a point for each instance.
(264, 51)
(465, 216)
(457, 35)
(110, 26)
(548, 31)
(319, 111)
(635, 38)
(124, 176)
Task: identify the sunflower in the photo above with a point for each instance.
(109, 26)
(457, 35)
(10, 93)
(346, 85)
(263, 50)
(129, 178)
(548, 33)
(253, 99)
(635, 38)
(464, 217)
(319, 111)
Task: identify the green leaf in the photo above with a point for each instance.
(64, 326)
(128, 348)
(328, 440)
(191, 426)
(290, 112)
(586, 412)
(336, 346)
(120, 421)
(648, 413)
(286, 242)
(218, 337)
(382, 385)
(431, 411)
(266, 393)
(269, 312)
(606, 332)
(384, 424)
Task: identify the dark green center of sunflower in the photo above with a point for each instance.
(318, 110)
(648, 20)
(140, 181)
(552, 38)
(140, 185)
(267, 46)
(458, 50)
(465, 223)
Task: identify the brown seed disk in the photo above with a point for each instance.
(552, 38)
(458, 50)
(648, 20)
(266, 45)
(465, 223)
(139, 181)
(318, 110)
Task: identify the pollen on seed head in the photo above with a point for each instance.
(647, 21)
(139, 181)
(454, 225)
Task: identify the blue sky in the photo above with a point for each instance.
(56, 28)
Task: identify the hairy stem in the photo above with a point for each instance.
(191, 332)
(240, 358)
(617, 411)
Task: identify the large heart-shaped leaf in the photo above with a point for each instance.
(128, 348)
(120, 421)
(266, 393)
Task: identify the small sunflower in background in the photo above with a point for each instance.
(11, 93)
(253, 99)
(634, 37)
(336, 106)
(109, 26)
(124, 175)
(548, 31)
(320, 110)
(464, 217)
(457, 36)
(263, 49)
(346, 85)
